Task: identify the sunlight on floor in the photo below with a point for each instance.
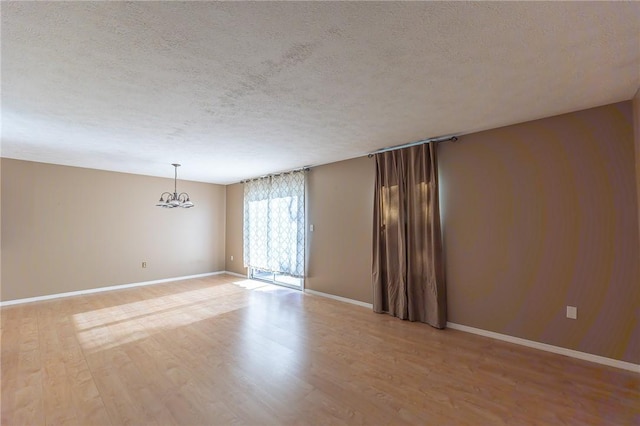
(260, 286)
(117, 325)
(251, 284)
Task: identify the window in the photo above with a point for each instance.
(274, 225)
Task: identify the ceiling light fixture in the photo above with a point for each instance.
(169, 200)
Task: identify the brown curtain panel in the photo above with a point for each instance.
(408, 270)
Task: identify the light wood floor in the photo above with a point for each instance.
(209, 351)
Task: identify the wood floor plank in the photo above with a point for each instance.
(27, 403)
(209, 351)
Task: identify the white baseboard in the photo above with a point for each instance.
(108, 288)
(342, 299)
(549, 348)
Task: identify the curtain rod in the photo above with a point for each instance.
(407, 145)
(301, 169)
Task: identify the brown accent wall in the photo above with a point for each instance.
(541, 215)
(67, 229)
(234, 229)
(340, 207)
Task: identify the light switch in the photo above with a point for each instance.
(311, 228)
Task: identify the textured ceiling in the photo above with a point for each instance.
(236, 90)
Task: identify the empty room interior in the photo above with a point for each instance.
(381, 213)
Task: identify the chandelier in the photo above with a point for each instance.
(169, 200)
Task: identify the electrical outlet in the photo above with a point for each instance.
(572, 312)
(144, 264)
(311, 228)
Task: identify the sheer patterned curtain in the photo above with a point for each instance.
(274, 224)
(408, 272)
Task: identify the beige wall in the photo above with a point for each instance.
(636, 137)
(536, 216)
(340, 206)
(542, 215)
(0, 229)
(67, 229)
(233, 240)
